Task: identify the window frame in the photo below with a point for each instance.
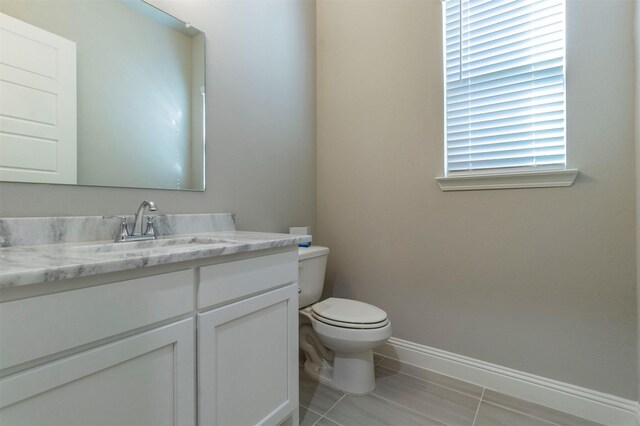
(557, 175)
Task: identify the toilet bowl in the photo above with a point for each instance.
(337, 335)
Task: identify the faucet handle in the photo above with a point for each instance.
(150, 230)
(123, 233)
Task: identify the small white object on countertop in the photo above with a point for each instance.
(300, 230)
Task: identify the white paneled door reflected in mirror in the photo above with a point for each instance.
(100, 92)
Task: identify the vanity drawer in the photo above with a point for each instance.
(45, 325)
(225, 282)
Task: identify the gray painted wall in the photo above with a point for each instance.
(637, 147)
(540, 280)
(260, 124)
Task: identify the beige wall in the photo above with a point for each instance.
(260, 124)
(540, 280)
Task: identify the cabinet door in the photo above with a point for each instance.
(146, 379)
(247, 359)
(40, 326)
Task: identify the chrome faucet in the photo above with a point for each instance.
(136, 233)
(137, 222)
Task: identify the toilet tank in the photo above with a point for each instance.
(312, 262)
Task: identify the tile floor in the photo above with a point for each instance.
(406, 395)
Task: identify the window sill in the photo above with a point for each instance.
(534, 179)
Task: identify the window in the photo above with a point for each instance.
(504, 88)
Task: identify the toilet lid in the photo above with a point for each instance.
(349, 311)
(351, 325)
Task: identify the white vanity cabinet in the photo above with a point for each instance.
(115, 353)
(121, 348)
(248, 349)
(145, 379)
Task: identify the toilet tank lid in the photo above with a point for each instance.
(312, 251)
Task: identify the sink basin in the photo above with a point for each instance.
(151, 247)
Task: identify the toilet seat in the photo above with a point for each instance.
(347, 313)
(350, 339)
(348, 324)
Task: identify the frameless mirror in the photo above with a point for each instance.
(100, 92)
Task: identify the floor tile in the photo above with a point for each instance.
(432, 400)
(535, 410)
(439, 379)
(377, 358)
(369, 410)
(326, 422)
(492, 415)
(308, 417)
(316, 396)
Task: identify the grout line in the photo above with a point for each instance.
(522, 412)
(478, 409)
(475, 397)
(531, 416)
(467, 394)
(435, 383)
(330, 408)
(430, 381)
(309, 409)
(380, 360)
(338, 401)
(316, 422)
(405, 407)
(497, 404)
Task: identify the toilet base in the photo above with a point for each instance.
(352, 373)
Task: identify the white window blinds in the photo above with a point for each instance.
(505, 100)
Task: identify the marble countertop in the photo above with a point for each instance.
(44, 249)
(23, 265)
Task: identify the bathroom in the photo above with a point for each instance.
(329, 114)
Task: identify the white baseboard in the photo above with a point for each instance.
(586, 403)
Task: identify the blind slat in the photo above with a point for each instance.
(507, 163)
(520, 98)
(498, 147)
(515, 76)
(522, 138)
(547, 36)
(510, 156)
(522, 114)
(519, 120)
(514, 89)
(508, 61)
(518, 128)
(477, 33)
(538, 66)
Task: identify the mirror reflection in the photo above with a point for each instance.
(100, 92)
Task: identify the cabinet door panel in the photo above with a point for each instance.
(248, 360)
(40, 326)
(146, 379)
(226, 282)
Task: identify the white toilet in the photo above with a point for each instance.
(337, 336)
